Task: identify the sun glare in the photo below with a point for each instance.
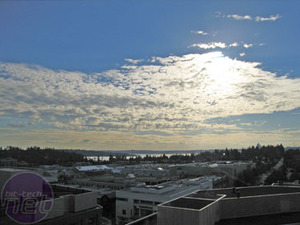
(222, 74)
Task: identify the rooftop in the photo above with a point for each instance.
(92, 168)
(188, 203)
(245, 192)
(174, 189)
(12, 170)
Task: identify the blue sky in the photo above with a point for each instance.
(149, 74)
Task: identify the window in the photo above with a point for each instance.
(124, 211)
(136, 211)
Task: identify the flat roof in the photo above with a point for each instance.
(189, 203)
(178, 190)
(13, 170)
(245, 192)
(277, 219)
(59, 190)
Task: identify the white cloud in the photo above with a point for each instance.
(211, 45)
(238, 17)
(248, 45)
(248, 17)
(200, 32)
(172, 94)
(270, 18)
(235, 44)
(242, 54)
(134, 61)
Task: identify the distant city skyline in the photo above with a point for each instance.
(149, 75)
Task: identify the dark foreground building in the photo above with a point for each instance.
(245, 205)
(263, 205)
(71, 207)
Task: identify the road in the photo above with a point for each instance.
(264, 176)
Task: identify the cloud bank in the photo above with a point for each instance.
(172, 95)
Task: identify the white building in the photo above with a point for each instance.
(137, 202)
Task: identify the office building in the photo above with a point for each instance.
(140, 201)
(245, 205)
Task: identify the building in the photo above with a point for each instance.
(229, 169)
(50, 175)
(146, 173)
(71, 206)
(245, 205)
(8, 162)
(105, 181)
(140, 201)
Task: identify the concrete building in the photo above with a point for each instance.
(114, 182)
(71, 206)
(140, 201)
(49, 175)
(247, 205)
(146, 173)
(145, 170)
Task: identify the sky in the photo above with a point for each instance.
(149, 75)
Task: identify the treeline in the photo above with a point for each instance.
(268, 153)
(289, 171)
(35, 156)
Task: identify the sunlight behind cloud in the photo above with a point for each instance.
(172, 94)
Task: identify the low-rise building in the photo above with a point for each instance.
(140, 201)
(70, 207)
(245, 205)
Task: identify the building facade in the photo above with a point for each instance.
(140, 201)
(227, 206)
(71, 206)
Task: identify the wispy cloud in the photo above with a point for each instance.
(127, 141)
(13, 125)
(270, 18)
(134, 61)
(170, 94)
(248, 17)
